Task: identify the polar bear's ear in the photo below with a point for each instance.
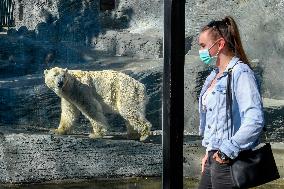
(45, 72)
(65, 70)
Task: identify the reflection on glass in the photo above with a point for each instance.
(264, 49)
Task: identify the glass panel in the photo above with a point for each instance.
(80, 89)
(261, 32)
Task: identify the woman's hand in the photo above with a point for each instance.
(218, 159)
(203, 162)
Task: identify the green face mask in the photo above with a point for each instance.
(206, 57)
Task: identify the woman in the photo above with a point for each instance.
(220, 45)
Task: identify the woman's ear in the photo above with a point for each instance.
(222, 43)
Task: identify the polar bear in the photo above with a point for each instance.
(94, 93)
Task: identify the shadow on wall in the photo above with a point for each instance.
(58, 40)
(78, 20)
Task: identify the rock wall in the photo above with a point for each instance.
(57, 32)
(142, 25)
(124, 31)
(40, 158)
(261, 27)
(75, 34)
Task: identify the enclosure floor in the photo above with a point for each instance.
(133, 183)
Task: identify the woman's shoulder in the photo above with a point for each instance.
(242, 67)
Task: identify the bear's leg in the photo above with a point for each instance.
(131, 100)
(69, 115)
(142, 126)
(94, 113)
(99, 125)
(99, 129)
(136, 123)
(132, 134)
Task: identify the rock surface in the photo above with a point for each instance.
(261, 28)
(124, 43)
(274, 118)
(29, 158)
(134, 28)
(194, 75)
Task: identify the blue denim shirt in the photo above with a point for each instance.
(247, 111)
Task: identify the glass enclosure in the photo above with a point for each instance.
(80, 89)
(261, 30)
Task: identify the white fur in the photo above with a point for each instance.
(95, 92)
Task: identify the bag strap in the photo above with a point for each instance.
(229, 101)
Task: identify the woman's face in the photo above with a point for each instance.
(205, 42)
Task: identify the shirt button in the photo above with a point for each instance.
(210, 109)
(213, 92)
(209, 127)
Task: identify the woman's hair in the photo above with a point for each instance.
(228, 29)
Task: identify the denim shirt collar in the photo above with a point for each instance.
(215, 71)
(231, 64)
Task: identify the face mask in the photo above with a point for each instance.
(205, 55)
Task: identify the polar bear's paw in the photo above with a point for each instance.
(98, 134)
(143, 137)
(95, 135)
(144, 134)
(60, 131)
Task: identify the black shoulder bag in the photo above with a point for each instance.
(252, 167)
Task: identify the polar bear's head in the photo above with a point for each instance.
(56, 79)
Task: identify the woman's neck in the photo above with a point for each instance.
(223, 62)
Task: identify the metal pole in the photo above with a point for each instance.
(173, 93)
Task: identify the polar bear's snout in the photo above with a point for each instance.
(56, 79)
(60, 82)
